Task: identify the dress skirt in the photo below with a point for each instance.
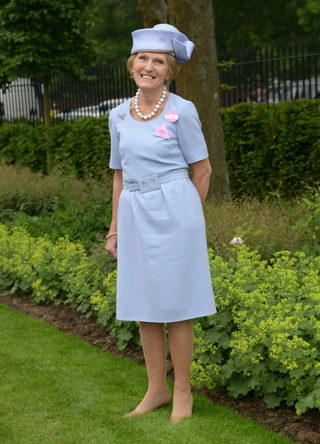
(163, 268)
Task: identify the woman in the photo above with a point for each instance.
(157, 231)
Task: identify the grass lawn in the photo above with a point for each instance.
(56, 389)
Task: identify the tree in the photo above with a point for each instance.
(152, 13)
(113, 24)
(43, 37)
(255, 21)
(198, 81)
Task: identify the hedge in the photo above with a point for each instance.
(83, 143)
(272, 144)
(265, 144)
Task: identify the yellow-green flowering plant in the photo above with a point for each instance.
(310, 225)
(105, 308)
(265, 337)
(61, 272)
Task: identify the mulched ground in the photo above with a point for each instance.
(283, 420)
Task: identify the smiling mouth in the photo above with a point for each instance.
(144, 76)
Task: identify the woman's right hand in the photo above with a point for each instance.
(112, 244)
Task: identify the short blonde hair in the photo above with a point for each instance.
(174, 67)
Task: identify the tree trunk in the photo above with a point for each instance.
(47, 120)
(198, 81)
(152, 12)
(46, 106)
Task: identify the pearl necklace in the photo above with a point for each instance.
(149, 116)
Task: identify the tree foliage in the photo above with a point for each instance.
(309, 16)
(113, 25)
(42, 37)
(255, 21)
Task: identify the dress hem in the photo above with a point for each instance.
(166, 322)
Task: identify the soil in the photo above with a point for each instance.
(283, 420)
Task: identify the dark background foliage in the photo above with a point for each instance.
(237, 22)
(112, 29)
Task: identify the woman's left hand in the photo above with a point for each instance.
(201, 177)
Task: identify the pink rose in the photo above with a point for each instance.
(236, 241)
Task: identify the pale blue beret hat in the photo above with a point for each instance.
(163, 38)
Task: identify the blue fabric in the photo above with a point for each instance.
(163, 267)
(161, 38)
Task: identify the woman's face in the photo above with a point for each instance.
(150, 70)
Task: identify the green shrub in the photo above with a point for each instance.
(36, 194)
(56, 205)
(272, 144)
(272, 219)
(20, 189)
(84, 143)
(265, 336)
(46, 198)
(61, 272)
(77, 224)
(310, 225)
(23, 144)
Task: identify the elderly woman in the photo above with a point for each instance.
(157, 231)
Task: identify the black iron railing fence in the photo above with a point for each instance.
(276, 71)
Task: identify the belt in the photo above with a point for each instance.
(151, 183)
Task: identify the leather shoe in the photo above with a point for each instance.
(165, 400)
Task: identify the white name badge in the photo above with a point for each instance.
(171, 116)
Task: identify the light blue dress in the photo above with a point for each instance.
(163, 267)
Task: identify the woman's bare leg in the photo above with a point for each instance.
(181, 337)
(154, 346)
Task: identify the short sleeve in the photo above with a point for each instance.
(190, 136)
(115, 159)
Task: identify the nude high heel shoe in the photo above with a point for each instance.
(165, 400)
(178, 418)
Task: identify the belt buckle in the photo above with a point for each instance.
(149, 183)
